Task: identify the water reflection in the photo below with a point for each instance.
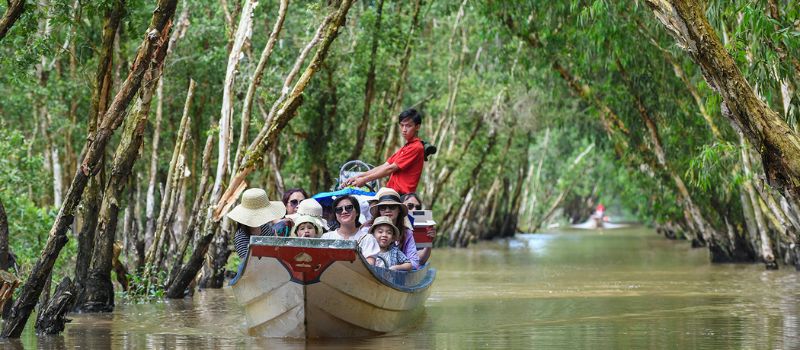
(579, 289)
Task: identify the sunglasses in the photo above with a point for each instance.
(412, 206)
(345, 208)
(388, 207)
(294, 202)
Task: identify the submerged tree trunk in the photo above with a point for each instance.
(158, 31)
(775, 140)
(98, 295)
(100, 95)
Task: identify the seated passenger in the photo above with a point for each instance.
(390, 256)
(389, 205)
(254, 216)
(347, 211)
(412, 202)
(310, 207)
(306, 226)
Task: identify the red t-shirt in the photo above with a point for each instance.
(409, 159)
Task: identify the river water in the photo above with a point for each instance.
(626, 288)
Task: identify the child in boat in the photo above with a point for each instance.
(386, 233)
(306, 226)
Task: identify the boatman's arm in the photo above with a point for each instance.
(378, 172)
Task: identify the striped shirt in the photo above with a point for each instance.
(241, 240)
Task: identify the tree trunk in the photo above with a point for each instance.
(189, 271)
(98, 295)
(158, 31)
(3, 238)
(369, 88)
(99, 104)
(765, 251)
(150, 223)
(156, 251)
(247, 107)
(12, 14)
(269, 133)
(775, 140)
(51, 318)
(196, 215)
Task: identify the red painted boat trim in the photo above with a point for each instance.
(421, 236)
(304, 264)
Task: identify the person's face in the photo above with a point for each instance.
(391, 211)
(412, 203)
(306, 230)
(408, 128)
(294, 201)
(384, 235)
(345, 212)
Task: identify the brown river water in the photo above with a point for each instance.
(620, 289)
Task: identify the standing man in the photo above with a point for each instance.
(405, 166)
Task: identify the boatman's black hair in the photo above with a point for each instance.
(411, 113)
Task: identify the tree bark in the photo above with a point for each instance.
(100, 94)
(775, 140)
(52, 317)
(269, 133)
(3, 237)
(247, 107)
(155, 253)
(157, 32)
(369, 88)
(13, 12)
(98, 295)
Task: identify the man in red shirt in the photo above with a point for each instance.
(405, 166)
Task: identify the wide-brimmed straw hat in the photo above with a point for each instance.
(256, 209)
(387, 196)
(309, 207)
(383, 220)
(302, 219)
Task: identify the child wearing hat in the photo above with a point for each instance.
(306, 226)
(390, 256)
(254, 216)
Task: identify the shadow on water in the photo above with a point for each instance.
(624, 288)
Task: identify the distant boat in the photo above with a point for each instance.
(594, 223)
(323, 288)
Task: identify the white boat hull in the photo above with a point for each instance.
(310, 288)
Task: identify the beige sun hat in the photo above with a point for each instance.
(387, 196)
(309, 207)
(383, 220)
(256, 209)
(302, 219)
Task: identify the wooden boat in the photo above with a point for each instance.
(322, 288)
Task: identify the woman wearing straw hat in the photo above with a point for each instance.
(254, 215)
(347, 211)
(389, 204)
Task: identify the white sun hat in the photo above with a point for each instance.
(256, 209)
(309, 207)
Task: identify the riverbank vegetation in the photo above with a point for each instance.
(129, 121)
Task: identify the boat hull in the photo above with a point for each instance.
(314, 288)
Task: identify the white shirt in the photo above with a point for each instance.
(369, 245)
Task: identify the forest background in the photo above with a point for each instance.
(540, 111)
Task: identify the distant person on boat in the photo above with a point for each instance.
(254, 216)
(404, 167)
(389, 205)
(347, 211)
(390, 256)
(412, 202)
